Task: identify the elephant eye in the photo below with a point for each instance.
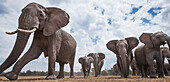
(41, 14)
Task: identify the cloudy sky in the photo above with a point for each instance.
(92, 23)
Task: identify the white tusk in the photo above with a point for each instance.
(10, 33)
(27, 31)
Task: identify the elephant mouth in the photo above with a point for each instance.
(22, 30)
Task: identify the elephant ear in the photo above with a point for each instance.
(146, 39)
(57, 18)
(111, 45)
(81, 60)
(132, 42)
(91, 59)
(101, 56)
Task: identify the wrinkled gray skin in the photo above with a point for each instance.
(135, 70)
(123, 50)
(56, 44)
(115, 70)
(98, 62)
(145, 54)
(86, 64)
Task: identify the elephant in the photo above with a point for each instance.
(86, 64)
(165, 54)
(98, 62)
(135, 70)
(115, 70)
(105, 73)
(55, 43)
(149, 51)
(123, 50)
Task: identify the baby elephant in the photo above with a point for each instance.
(98, 62)
(86, 64)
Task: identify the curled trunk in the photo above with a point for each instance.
(19, 46)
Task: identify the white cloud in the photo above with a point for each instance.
(88, 22)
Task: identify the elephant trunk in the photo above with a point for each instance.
(19, 46)
(124, 63)
(96, 67)
(21, 41)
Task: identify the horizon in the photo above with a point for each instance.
(93, 23)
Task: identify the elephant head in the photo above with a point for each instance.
(33, 18)
(123, 49)
(154, 40)
(166, 53)
(86, 64)
(98, 62)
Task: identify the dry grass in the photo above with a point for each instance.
(89, 79)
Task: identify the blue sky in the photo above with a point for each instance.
(92, 23)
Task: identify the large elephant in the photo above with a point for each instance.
(135, 70)
(86, 64)
(98, 62)
(55, 43)
(145, 54)
(123, 50)
(115, 70)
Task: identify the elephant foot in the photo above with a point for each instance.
(97, 75)
(167, 74)
(125, 77)
(161, 76)
(152, 76)
(85, 76)
(72, 76)
(60, 76)
(51, 77)
(11, 76)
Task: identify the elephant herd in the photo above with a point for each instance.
(59, 46)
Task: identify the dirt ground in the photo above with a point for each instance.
(89, 79)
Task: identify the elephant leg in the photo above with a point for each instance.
(100, 66)
(71, 65)
(141, 69)
(165, 68)
(133, 72)
(33, 53)
(128, 64)
(61, 72)
(51, 67)
(166, 71)
(145, 71)
(151, 69)
(160, 67)
(53, 50)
